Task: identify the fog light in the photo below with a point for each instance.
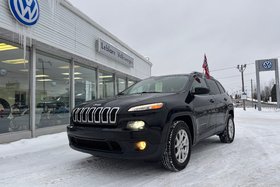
(141, 145)
(136, 125)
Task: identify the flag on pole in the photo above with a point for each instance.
(205, 67)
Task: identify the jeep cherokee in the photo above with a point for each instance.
(159, 118)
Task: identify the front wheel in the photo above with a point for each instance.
(227, 136)
(178, 147)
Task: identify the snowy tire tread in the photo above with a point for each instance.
(224, 136)
(167, 160)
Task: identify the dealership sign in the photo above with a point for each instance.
(114, 53)
(26, 12)
(267, 64)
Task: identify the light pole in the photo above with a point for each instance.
(241, 69)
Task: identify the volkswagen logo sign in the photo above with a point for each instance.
(27, 12)
(267, 65)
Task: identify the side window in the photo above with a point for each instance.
(214, 89)
(198, 83)
(222, 89)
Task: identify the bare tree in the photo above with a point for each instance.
(266, 91)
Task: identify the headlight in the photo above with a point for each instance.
(153, 106)
(136, 125)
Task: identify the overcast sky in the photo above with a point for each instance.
(175, 34)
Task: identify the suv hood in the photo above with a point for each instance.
(124, 101)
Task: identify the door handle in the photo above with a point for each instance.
(212, 101)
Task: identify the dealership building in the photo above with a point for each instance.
(53, 57)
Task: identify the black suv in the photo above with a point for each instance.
(159, 118)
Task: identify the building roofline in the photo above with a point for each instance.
(76, 11)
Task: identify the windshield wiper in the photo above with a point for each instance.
(149, 92)
(138, 93)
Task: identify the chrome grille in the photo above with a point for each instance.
(113, 114)
(95, 115)
(90, 115)
(78, 115)
(105, 115)
(84, 115)
(74, 114)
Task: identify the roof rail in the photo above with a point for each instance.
(197, 73)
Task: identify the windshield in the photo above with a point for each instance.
(167, 84)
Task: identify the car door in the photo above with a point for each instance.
(223, 100)
(202, 107)
(218, 104)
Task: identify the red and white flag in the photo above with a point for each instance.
(205, 67)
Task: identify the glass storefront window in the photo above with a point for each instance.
(85, 85)
(121, 84)
(106, 85)
(14, 89)
(52, 92)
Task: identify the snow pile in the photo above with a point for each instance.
(33, 145)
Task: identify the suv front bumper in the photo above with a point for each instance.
(116, 142)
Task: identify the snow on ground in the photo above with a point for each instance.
(253, 159)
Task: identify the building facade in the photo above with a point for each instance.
(53, 57)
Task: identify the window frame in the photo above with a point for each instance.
(220, 86)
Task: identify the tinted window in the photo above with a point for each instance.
(214, 89)
(198, 83)
(221, 87)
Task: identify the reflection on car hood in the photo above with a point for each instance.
(126, 100)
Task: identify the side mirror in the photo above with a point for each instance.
(200, 91)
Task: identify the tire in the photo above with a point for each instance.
(227, 136)
(178, 147)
